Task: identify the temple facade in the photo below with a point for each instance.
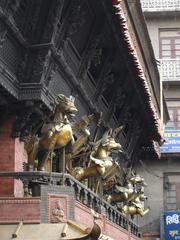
(81, 104)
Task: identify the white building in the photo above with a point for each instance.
(163, 176)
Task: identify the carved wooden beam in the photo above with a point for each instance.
(105, 79)
(72, 21)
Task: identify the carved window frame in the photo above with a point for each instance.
(174, 43)
(171, 191)
(174, 113)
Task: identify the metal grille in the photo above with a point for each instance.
(158, 5)
(170, 69)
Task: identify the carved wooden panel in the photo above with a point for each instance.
(10, 50)
(70, 55)
(58, 85)
(71, 48)
(3, 3)
(82, 26)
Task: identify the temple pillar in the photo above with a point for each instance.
(12, 156)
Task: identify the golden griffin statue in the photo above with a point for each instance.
(136, 206)
(100, 161)
(133, 194)
(57, 133)
(85, 159)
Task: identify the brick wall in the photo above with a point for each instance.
(84, 216)
(54, 201)
(13, 210)
(12, 156)
(77, 211)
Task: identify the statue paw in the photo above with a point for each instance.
(108, 198)
(78, 173)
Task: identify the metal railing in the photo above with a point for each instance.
(160, 5)
(82, 194)
(169, 69)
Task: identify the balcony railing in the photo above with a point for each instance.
(169, 69)
(82, 194)
(160, 5)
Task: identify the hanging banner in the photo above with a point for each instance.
(172, 144)
(172, 225)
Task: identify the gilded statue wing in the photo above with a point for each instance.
(122, 189)
(83, 123)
